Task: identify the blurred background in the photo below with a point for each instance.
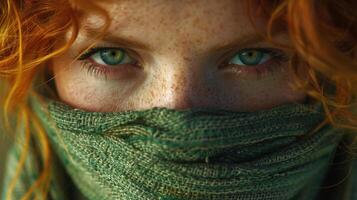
(4, 145)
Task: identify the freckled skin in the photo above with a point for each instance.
(180, 72)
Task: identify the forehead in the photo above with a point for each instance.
(189, 23)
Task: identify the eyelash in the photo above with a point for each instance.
(277, 57)
(99, 70)
(273, 64)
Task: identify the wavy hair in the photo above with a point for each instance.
(322, 33)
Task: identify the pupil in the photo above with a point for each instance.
(113, 53)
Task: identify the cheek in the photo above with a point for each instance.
(76, 88)
(75, 91)
(252, 95)
(273, 96)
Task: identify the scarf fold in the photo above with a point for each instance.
(167, 154)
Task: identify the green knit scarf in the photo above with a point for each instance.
(168, 154)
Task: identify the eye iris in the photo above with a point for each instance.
(251, 57)
(112, 57)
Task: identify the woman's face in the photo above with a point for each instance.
(176, 54)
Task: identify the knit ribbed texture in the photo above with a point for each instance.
(162, 153)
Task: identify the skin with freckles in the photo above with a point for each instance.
(182, 66)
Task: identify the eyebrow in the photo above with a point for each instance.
(119, 40)
(134, 44)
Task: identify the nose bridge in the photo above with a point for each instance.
(180, 84)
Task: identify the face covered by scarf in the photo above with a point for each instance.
(162, 153)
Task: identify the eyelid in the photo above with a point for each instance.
(96, 49)
(229, 55)
(223, 61)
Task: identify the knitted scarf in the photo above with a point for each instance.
(167, 154)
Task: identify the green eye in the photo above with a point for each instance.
(109, 56)
(250, 57)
